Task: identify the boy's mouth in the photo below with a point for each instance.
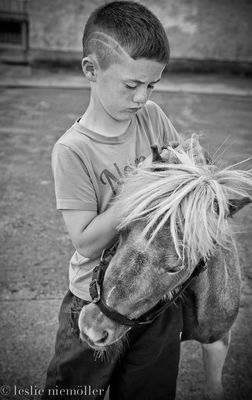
(134, 109)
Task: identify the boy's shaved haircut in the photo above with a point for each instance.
(128, 24)
(107, 50)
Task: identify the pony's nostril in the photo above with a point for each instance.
(104, 337)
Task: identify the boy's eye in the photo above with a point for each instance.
(134, 87)
(131, 87)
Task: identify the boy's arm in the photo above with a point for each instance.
(89, 232)
(75, 197)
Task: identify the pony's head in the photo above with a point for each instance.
(174, 212)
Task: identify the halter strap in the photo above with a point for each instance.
(147, 318)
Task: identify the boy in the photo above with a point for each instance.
(125, 50)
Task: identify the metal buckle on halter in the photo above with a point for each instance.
(98, 273)
(102, 259)
(94, 285)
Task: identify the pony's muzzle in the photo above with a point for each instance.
(93, 340)
(95, 328)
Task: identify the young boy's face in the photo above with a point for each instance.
(122, 89)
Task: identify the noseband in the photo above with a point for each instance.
(95, 290)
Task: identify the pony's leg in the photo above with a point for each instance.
(214, 355)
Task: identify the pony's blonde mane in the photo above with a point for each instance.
(193, 198)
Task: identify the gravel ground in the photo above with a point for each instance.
(35, 247)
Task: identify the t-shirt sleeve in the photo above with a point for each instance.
(169, 132)
(165, 126)
(73, 187)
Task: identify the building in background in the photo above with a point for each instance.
(206, 35)
(14, 30)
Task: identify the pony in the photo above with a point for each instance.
(176, 216)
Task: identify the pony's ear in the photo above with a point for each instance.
(236, 205)
(173, 144)
(166, 156)
(156, 157)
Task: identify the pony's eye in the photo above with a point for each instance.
(175, 269)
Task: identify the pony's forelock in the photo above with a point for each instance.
(193, 198)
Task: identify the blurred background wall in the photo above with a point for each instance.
(203, 34)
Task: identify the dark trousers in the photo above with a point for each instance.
(146, 369)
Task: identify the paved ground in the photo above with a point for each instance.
(35, 248)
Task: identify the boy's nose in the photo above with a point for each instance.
(141, 96)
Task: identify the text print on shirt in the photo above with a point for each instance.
(107, 177)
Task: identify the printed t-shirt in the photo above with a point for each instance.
(88, 167)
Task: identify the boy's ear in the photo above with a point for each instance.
(89, 67)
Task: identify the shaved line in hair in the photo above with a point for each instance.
(108, 41)
(106, 48)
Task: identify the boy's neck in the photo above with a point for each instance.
(102, 123)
